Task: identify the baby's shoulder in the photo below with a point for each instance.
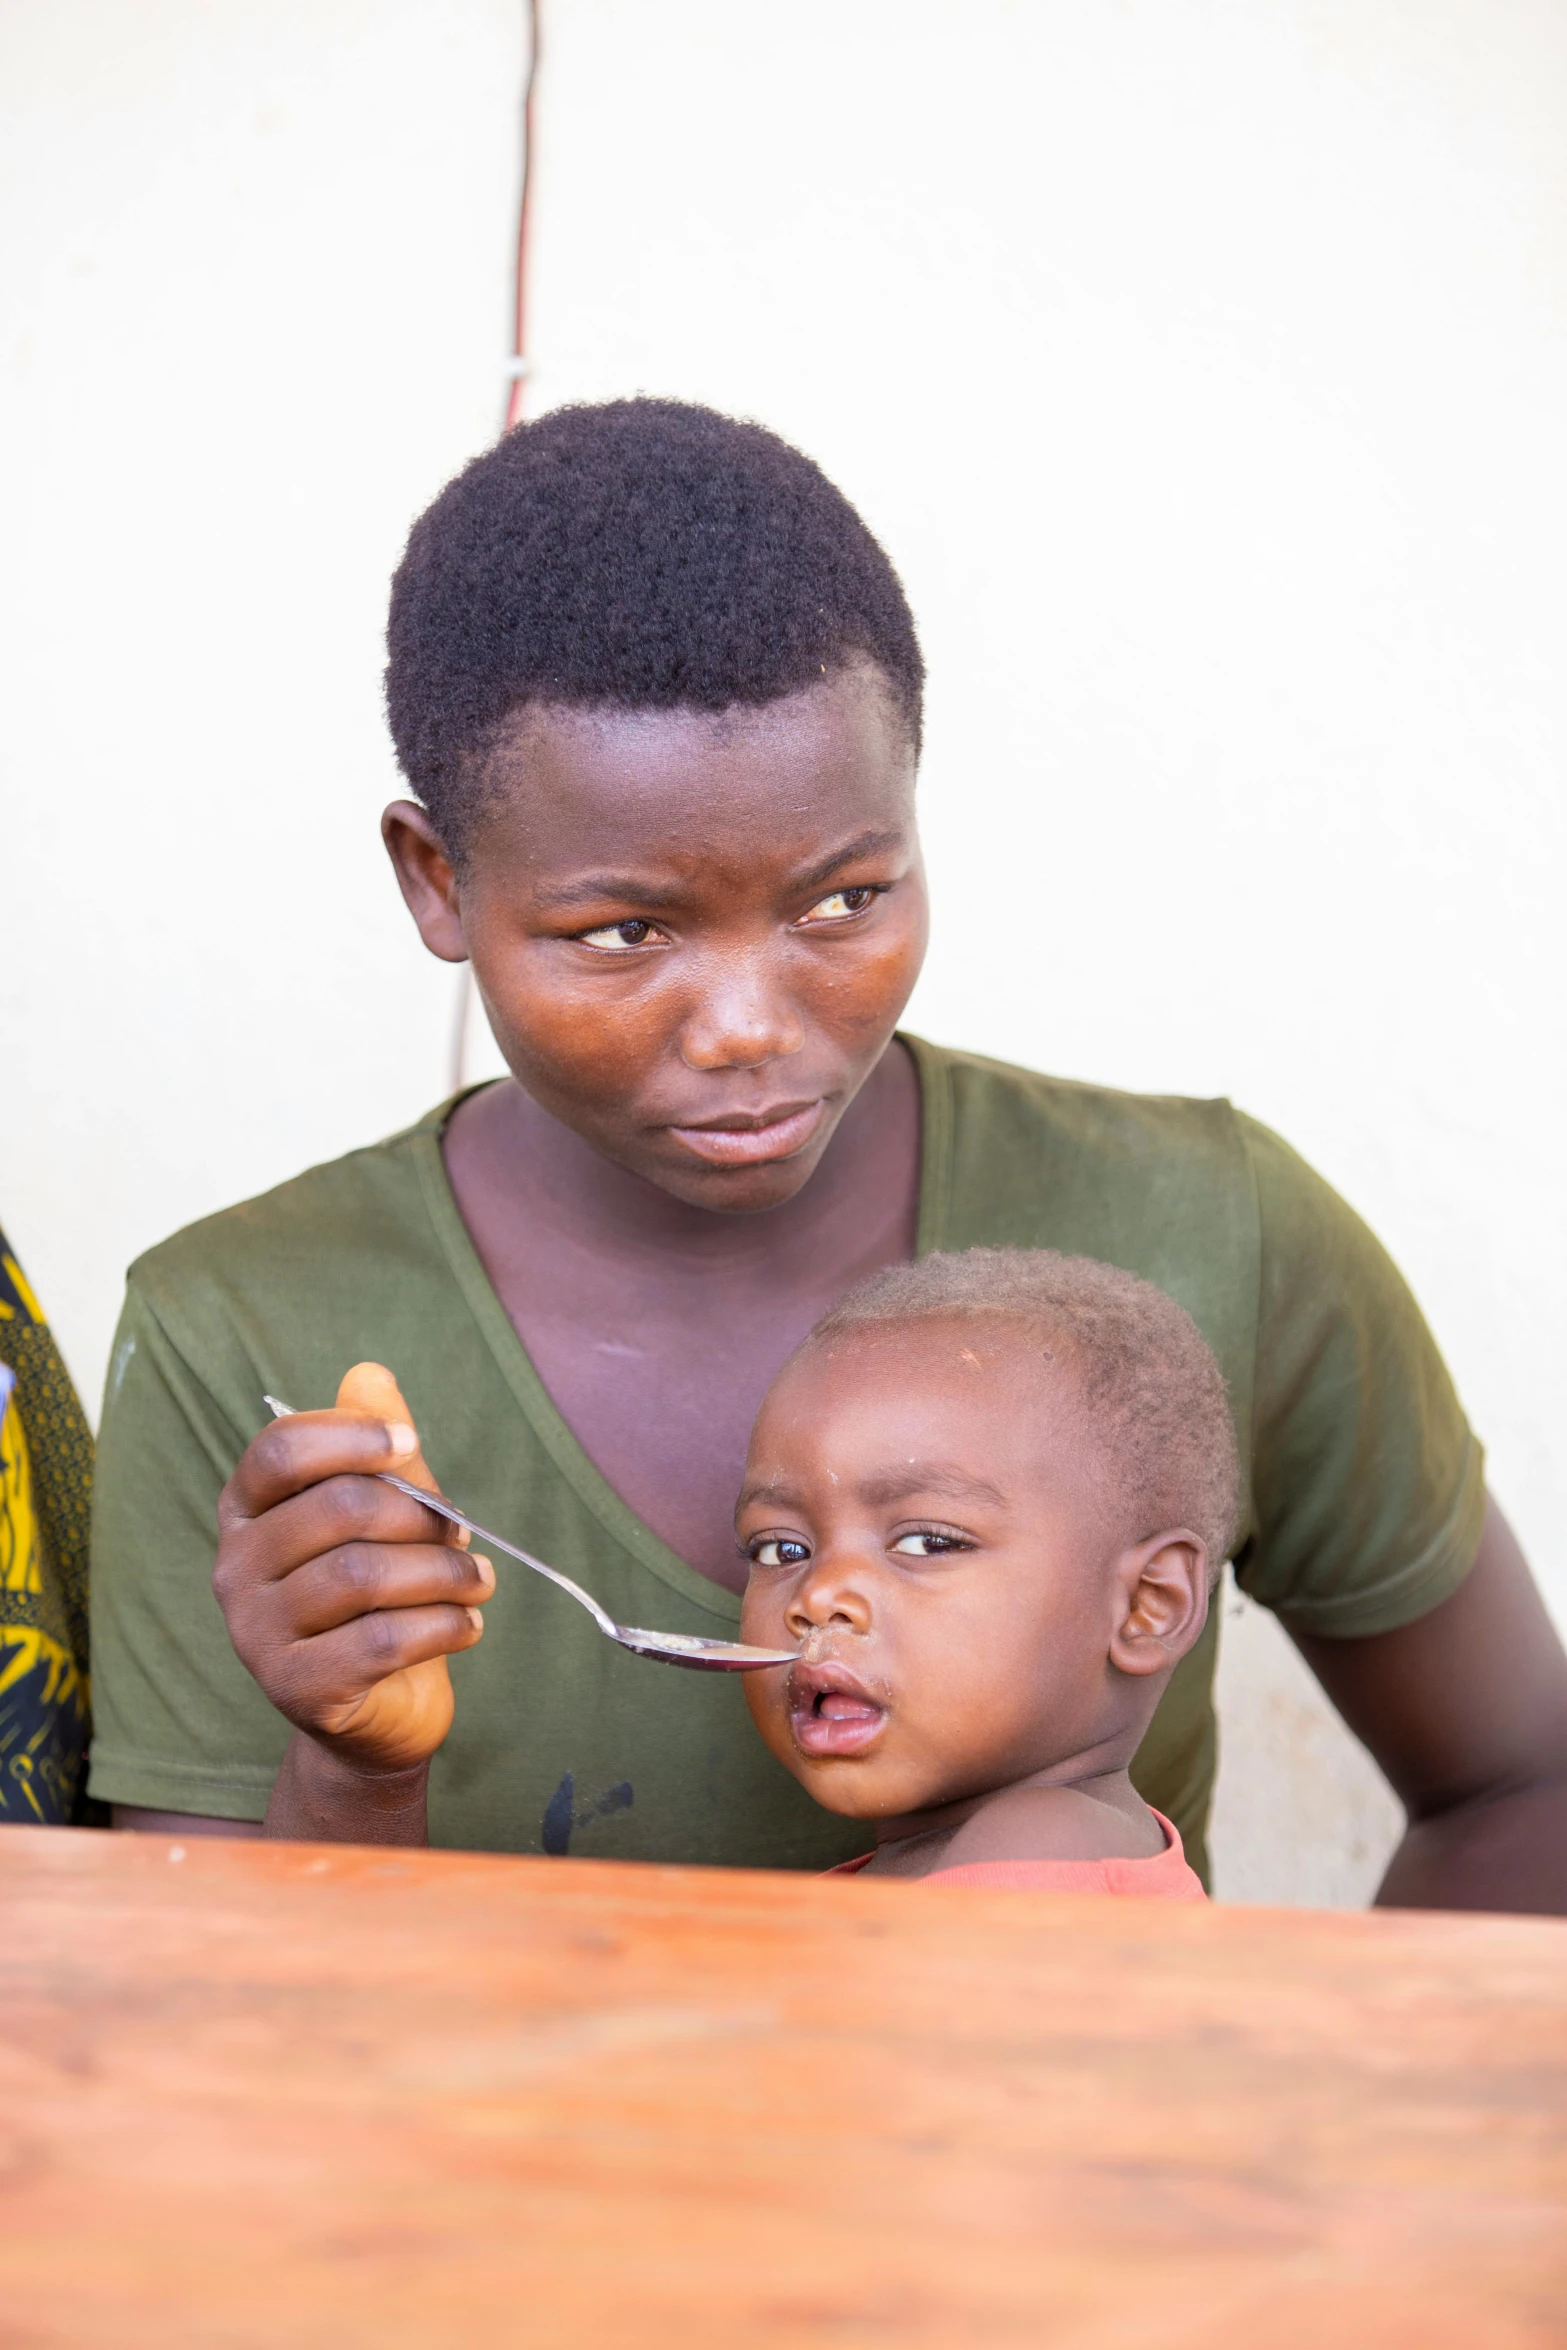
(1054, 1823)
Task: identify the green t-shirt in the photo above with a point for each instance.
(1363, 1485)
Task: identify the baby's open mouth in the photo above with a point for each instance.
(830, 1709)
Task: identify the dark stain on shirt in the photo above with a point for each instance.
(561, 1815)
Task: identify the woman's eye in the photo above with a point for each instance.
(842, 905)
(617, 936)
(928, 1546)
(780, 1550)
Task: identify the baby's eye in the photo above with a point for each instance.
(928, 1546)
(779, 1550)
(842, 905)
(616, 937)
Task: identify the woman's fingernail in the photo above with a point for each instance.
(475, 1619)
(401, 1438)
(486, 1571)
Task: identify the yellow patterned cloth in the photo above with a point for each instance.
(46, 1464)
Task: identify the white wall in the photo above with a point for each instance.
(254, 272)
(1202, 363)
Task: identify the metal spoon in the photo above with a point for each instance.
(670, 1648)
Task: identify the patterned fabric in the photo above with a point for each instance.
(46, 1465)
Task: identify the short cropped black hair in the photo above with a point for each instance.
(1152, 1390)
(648, 554)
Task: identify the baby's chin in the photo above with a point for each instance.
(868, 1788)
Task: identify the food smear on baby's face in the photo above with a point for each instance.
(923, 1521)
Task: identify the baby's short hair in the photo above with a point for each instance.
(1153, 1390)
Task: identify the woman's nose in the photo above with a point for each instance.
(743, 1017)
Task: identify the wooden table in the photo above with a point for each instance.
(276, 2097)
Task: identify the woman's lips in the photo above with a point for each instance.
(780, 1135)
(777, 1135)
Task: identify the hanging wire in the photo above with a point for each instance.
(517, 364)
(515, 370)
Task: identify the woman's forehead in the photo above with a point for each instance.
(812, 768)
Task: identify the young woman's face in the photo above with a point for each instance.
(693, 934)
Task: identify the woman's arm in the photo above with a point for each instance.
(1466, 1712)
(316, 1799)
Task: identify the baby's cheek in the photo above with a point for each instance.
(956, 1726)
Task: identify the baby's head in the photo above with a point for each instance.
(987, 1499)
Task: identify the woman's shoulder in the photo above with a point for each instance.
(344, 1203)
(990, 1100)
(1159, 1183)
(362, 1258)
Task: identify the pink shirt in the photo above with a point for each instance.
(1164, 1876)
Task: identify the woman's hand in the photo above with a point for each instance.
(344, 1599)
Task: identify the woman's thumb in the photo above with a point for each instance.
(370, 1389)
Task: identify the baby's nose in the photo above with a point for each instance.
(820, 1607)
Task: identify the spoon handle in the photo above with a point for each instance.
(448, 1510)
(456, 1517)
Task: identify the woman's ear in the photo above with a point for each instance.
(1162, 1602)
(426, 879)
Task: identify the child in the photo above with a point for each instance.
(987, 1500)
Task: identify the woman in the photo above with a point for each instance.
(657, 691)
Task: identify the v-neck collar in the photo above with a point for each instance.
(538, 1406)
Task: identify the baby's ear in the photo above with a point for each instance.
(1161, 1602)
